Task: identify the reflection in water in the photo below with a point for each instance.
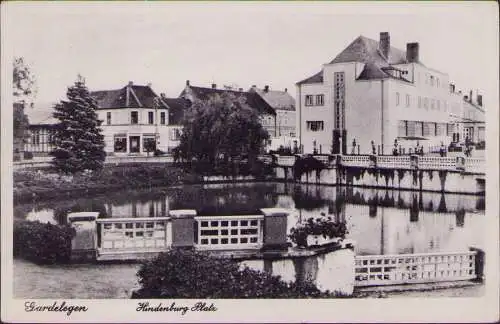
(380, 221)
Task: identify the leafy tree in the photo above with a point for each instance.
(24, 92)
(79, 144)
(223, 128)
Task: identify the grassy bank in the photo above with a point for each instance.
(44, 184)
(32, 185)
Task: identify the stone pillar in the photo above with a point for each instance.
(479, 264)
(275, 229)
(84, 243)
(183, 228)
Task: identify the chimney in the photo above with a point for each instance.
(470, 96)
(286, 90)
(130, 83)
(452, 88)
(187, 83)
(240, 89)
(480, 100)
(412, 50)
(266, 88)
(149, 84)
(466, 98)
(214, 86)
(254, 86)
(163, 95)
(385, 44)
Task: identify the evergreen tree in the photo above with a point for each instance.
(79, 144)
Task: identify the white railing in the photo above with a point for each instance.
(136, 234)
(376, 270)
(475, 165)
(322, 158)
(393, 162)
(41, 163)
(283, 160)
(356, 160)
(229, 232)
(267, 159)
(437, 163)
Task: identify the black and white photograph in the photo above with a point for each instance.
(250, 161)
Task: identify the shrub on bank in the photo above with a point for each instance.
(321, 226)
(189, 274)
(42, 243)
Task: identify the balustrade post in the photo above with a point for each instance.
(183, 228)
(479, 263)
(84, 243)
(275, 229)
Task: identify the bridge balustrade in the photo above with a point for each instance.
(138, 234)
(376, 270)
(229, 232)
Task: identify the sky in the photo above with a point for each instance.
(242, 44)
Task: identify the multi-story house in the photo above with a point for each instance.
(371, 96)
(267, 114)
(284, 105)
(41, 129)
(468, 117)
(134, 120)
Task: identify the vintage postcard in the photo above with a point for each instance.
(250, 161)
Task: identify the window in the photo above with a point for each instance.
(438, 103)
(315, 126)
(437, 82)
(320, 100)
(418, 128)
(426, 103)
(419, 102)
(108, 118)
(148, 143)
(432, 104)
(162, 118)
(410, 130)
(339, 100)
(397, 98)
(150, 117)
(309, 100)
(175, 134)
(402, 128)
(407, 100)
(134, 117)
(432, 80)
(428, 129)
(121, 143)
(445, 105)
(440, 129)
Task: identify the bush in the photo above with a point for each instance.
(42, 243)
(189, 274)
(323, 226)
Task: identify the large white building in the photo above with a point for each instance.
(372, 91)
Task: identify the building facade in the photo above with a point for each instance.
(134, 120)
(284, 105)
(374, 97)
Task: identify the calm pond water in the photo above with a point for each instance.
(380, 221)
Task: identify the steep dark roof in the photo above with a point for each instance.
(365, 50)
(176, 109)
(279, 100)
(138, 97)
(252, 99)
(317, 78)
